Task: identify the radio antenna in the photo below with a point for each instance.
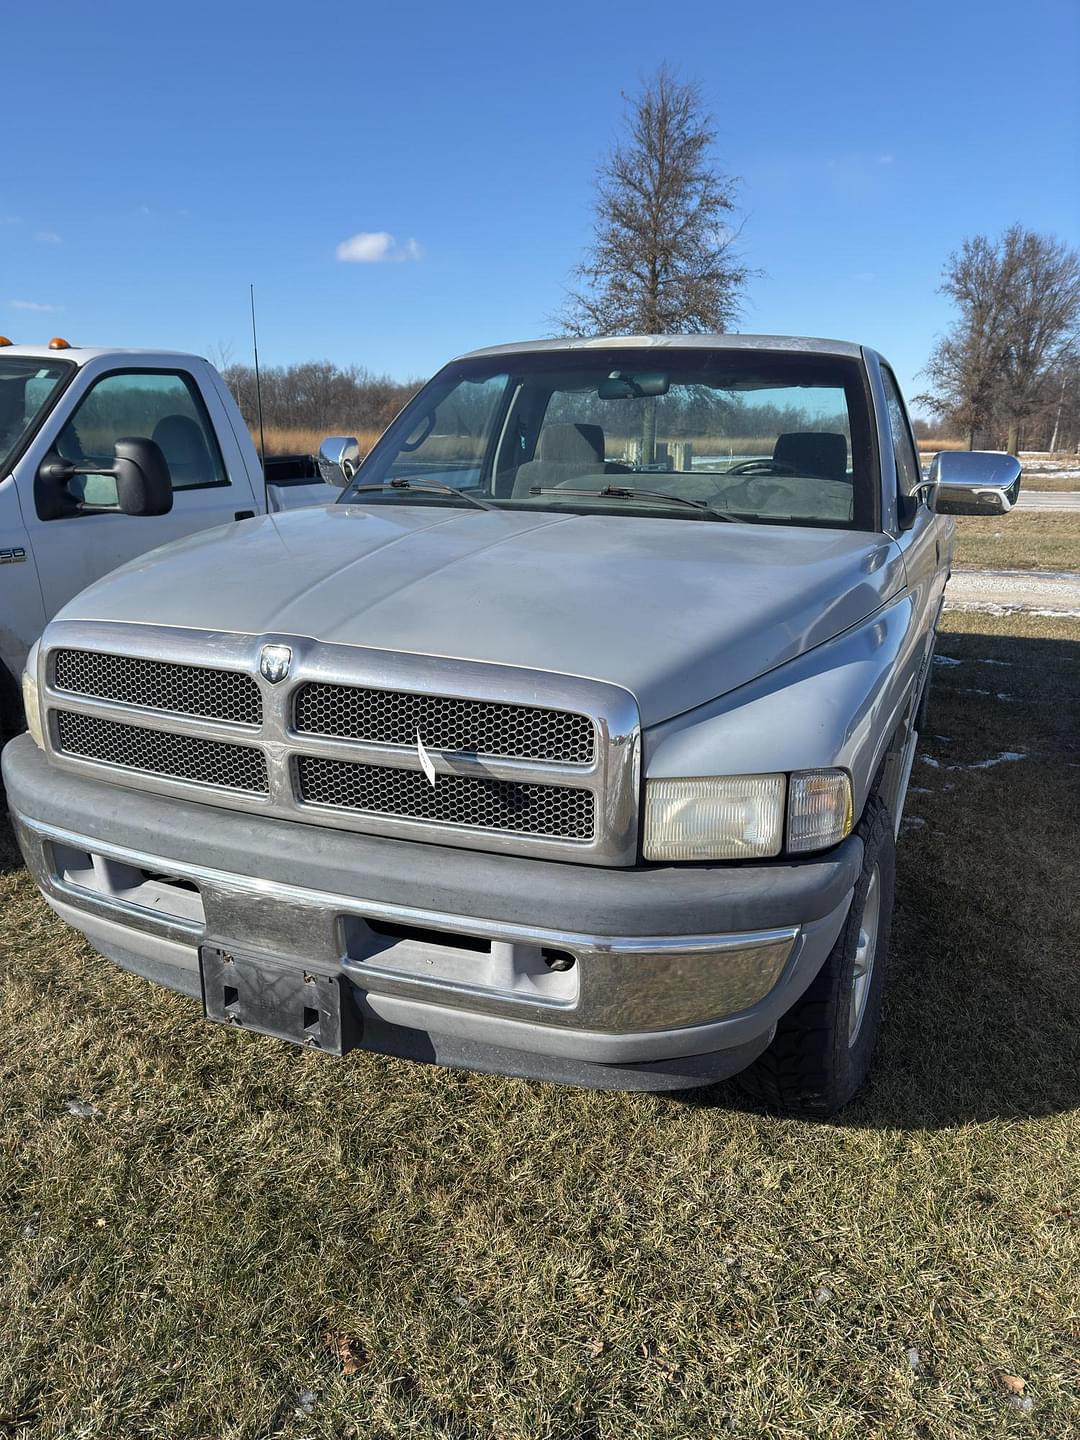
(258, 401)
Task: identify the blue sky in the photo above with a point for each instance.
(156, 159)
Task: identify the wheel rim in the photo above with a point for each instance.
(865, 953)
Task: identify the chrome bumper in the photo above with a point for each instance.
(620, 996)
(679, 974)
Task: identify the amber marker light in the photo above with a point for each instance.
(5, 341)
(56, 343)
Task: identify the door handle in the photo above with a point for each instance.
(243, 514)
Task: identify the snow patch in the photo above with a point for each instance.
(975, 690)
(986, 607)
(998, 759)
(946, 660)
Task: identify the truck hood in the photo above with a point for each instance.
(676, 611)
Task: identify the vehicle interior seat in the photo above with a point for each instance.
(184, 446)
(563, 452)
(823, 453)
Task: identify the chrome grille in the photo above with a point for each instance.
(159, 752)
(474, 727)
(528, 762)
(160, 685)
(473, 801)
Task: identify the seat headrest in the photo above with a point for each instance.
(182, 441)
(814, 452)
(571, 444)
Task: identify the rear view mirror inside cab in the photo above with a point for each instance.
(619, 386)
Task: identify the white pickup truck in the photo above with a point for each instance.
(68, 418)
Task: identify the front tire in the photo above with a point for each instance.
(12, 720)
(823, 1046)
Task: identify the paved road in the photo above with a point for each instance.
(1051, 592)
(1048, 500)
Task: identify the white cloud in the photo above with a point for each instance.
(34, 305)
(48, 237)
(885, 159)
(371, 247)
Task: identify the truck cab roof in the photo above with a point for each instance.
(796, 343)
(83, 354)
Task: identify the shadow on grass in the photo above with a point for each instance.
(10, 859)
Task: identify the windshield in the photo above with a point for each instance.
(27, 388)
(750, 436)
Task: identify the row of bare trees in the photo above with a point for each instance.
(319, 396)
(1006, 374)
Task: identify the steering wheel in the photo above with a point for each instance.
(762, 467)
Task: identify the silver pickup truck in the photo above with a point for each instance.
(570, 743)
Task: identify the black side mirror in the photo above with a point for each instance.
(143, 483)
(141, 472)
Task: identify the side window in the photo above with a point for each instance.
(449, 442)
(908, 473)
(158, 405)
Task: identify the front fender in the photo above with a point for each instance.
(837, 705)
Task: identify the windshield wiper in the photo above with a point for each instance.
(434, 487)
(624, 492)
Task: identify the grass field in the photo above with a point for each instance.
(296, 440)
(244, 1241)
(1044, 480)
(1022, 540)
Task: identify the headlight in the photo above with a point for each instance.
(819, 809)
(741, 817)
(735, 817)
(31, 704)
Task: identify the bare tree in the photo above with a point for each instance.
(317, 395)
(220, 354)
(1000, 367)
(663, 254)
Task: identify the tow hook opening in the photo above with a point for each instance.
(558, 960)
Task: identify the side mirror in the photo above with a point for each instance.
(143, 483)
(339, 459)
(973, 482)
(139, 469)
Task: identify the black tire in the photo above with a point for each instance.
(813, 1066)
(12, 719)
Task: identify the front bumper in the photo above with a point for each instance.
(677, 974)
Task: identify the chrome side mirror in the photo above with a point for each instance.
(339, 459)
(973, 482)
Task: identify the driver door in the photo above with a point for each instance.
(161, 405)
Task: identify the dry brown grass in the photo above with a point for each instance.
(297, 440)
(1047, 480)
(929, 448)
(1023, 540)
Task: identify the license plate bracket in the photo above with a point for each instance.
(272, 997)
